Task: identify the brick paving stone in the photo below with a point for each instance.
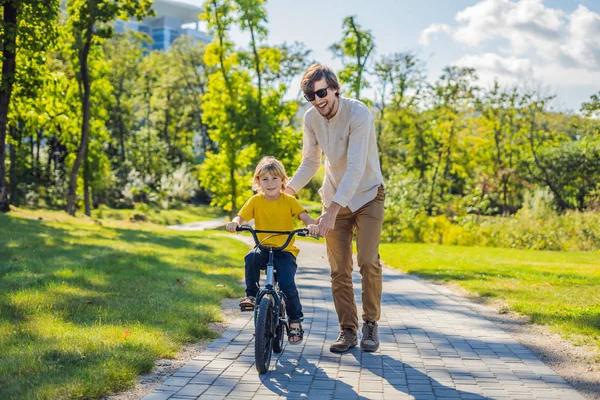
(192, 390)
(158, 396)
(434, 344)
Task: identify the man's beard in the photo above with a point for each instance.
(330, 106)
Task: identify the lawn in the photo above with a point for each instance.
(159, 216)
(87, 306)
(558, 289)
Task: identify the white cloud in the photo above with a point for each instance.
(523, 23)
(524, 38)
(582, 46)
(491, 65)
(430, 31)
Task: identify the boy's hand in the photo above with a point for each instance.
(313, 230)
(231, 226)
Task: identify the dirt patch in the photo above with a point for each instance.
(576, 364)
(164, 368)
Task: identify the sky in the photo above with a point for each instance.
(550, 43)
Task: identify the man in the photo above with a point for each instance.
(353, 199)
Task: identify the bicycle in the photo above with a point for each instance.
(269, 325)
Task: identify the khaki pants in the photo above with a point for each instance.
(368, 221)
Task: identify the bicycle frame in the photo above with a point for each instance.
(269, 288)
(269, 314)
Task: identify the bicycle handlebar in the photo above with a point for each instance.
(299, 232)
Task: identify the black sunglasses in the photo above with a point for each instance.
(320, 93)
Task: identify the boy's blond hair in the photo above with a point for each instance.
(274, 167)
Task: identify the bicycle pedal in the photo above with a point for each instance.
(246, 308)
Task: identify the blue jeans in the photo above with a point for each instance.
(285, 265)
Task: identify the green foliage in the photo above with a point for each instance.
(88, 23)
(310, 192)
(217, 177)
(189, 124)
(27, 30)
(243, 107)
(535, 226)
(591, 109)
(354, 49)
(573, 168)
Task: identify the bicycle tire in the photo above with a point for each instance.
(279, 331)
(263, 342)
(278, 339)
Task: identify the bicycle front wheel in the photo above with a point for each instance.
(263, 342)
(280, 328)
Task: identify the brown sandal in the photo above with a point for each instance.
(295, 332)
(248, 303)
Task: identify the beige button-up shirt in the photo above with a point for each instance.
(352, 170)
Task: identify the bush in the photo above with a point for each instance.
(536, 226)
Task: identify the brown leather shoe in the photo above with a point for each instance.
(346, 340)
(370, 336)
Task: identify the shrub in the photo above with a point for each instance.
(536, 226)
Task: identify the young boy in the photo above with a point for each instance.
(275, 211)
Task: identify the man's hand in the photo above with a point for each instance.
(326, 221)
(231, 226)
(289, 190)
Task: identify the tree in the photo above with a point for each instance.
(501, 150)
(225, 112)
(540, 139)
(123, 53)
(571, 170)
(400, 79)
(451, 97)
(251, 19)
(89, 22)
(189, 56)
(354, 50)
(591, 112)
(26, 25)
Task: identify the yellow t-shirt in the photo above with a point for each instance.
(273, 215)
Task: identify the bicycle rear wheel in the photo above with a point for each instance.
(263, 342)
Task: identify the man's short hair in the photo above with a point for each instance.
(315, 73)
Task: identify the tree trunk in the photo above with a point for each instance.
(259, 77)
(121, 123)
(448, 164)
(9, 64)
(562, 204)
(433, 181)
(86, 185)
(148, 133)
(233, 211)
(85, 105)
(170, 152)
(38, 145)
(12, 173)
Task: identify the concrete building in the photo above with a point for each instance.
(168, 23)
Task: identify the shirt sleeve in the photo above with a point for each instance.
(311, 159)
(358, 149)
(247, 211)
(297, 208)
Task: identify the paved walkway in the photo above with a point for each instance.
(433, 346)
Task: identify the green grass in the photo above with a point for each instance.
(558, 289)
(85, 307)
(159, 216)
